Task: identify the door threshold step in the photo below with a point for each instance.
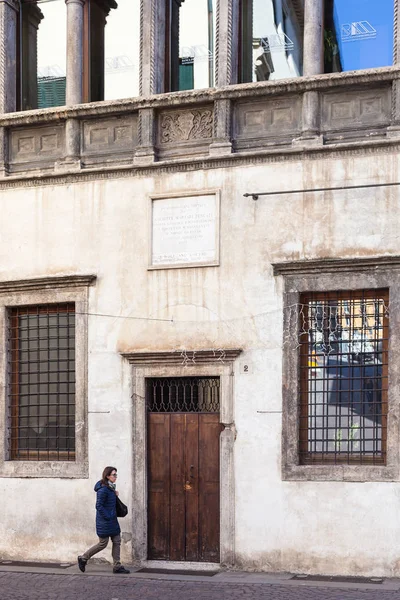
(178, 572)
(30, 563)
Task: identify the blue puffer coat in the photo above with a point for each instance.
(106, 513)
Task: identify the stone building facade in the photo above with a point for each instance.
(240, 238)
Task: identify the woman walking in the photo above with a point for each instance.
(107, 525)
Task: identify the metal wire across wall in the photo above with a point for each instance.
(183, 394)
(42, 382)
(344, 377)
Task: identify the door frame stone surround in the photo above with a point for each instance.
(201, 363)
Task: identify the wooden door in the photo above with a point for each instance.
(183, 486)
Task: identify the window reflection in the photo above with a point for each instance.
(272, 39)
(358, 34)
(122, 51)
(43, 53)
(196, 45)
(190, 44)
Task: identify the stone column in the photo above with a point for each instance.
(31, 16)
(8, 71)
(145, 153)
(313, 64)
(222, 139)
(74, 93)
(153, 30)
(313, 54)
(227, 42)
(394, 129)
(226, 71)
(8, 60)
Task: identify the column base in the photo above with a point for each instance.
(69, 165)
(308, 141)
(220, 148)
(393, 131)
(144, 156)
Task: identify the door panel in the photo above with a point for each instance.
(159, 486)
(209, 493)
(192, 486)
(183, 486)
(177, 474)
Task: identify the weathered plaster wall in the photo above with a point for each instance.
(101, 227)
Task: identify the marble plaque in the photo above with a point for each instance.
(185, 231)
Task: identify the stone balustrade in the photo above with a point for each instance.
(354, 108)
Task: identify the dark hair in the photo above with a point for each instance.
(107, 471)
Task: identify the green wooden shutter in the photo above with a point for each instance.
(51, 91)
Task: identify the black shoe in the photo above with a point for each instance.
(121, 569)
(82, 563)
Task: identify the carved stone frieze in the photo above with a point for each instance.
(109, 136)
(255, 121)
(36, 145)
(186, 125)
(356, 108)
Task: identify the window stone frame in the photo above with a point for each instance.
(335, 275)
(49, 290)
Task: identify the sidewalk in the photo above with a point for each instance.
(223, 576)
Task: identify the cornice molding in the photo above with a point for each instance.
(281, 87)
(333, 265)
(182, 357)
(182, 165)
(45, 283)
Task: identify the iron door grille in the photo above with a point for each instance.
(41, 363)
(183, 395)
(343, 346)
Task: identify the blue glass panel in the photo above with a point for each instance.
(358, 34)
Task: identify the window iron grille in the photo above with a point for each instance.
(183, 394)
(343, 346)
(41, 362)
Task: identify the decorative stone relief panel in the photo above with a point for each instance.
(36, 145)
(351, 110)
(255, 121)
(183, 132)
(109, 138)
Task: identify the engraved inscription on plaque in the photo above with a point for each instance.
(185, 231)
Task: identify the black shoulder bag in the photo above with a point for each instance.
(122, 509)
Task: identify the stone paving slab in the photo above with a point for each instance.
(103, 585)
(224, 576)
